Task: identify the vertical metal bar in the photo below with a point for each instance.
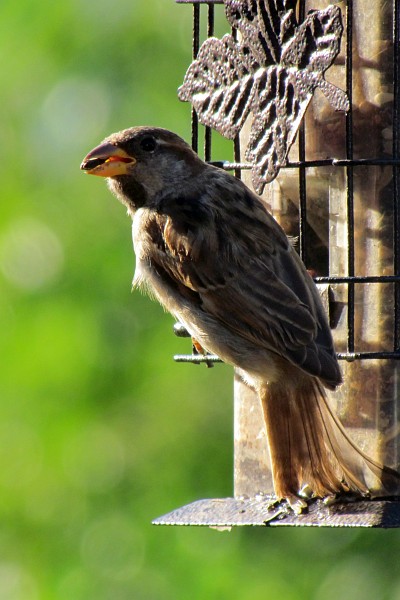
(195, 50)
(349, 176)
(396, 186)
(207, 133)
(302, 176)
(210, 22)
(302, 196)
(236, 141)
(236, 153)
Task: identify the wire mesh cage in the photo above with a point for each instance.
(337, 193)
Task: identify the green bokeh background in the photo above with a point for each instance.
(99, 430)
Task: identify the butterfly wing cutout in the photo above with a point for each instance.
(220, 85)
(272, 73)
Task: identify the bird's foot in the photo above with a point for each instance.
(289, 502)
(330, 499)
(344, 498)
(297, 504)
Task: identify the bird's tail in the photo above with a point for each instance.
(309, 446)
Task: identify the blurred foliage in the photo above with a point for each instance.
(99, 430)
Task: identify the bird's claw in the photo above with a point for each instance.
(297, 504)
(291, 501)
(330, 500)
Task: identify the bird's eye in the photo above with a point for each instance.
(148, 144)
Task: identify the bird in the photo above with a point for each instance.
(210, 252)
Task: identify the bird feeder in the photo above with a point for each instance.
(334, 186)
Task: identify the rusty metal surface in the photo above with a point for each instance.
(222, 512)
(230, 512)
(272, 73)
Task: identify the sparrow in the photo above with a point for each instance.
(210, 252)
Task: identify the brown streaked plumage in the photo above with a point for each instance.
(209, 251)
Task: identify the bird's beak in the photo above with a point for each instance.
(107, 160)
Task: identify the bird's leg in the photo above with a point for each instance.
(197, 347)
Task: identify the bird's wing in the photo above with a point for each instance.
(243, 271)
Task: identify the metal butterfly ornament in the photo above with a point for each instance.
(272, 73)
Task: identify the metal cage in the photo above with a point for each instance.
(341, 178)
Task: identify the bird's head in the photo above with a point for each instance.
(142, 161)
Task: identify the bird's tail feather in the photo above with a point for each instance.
(309, 446)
